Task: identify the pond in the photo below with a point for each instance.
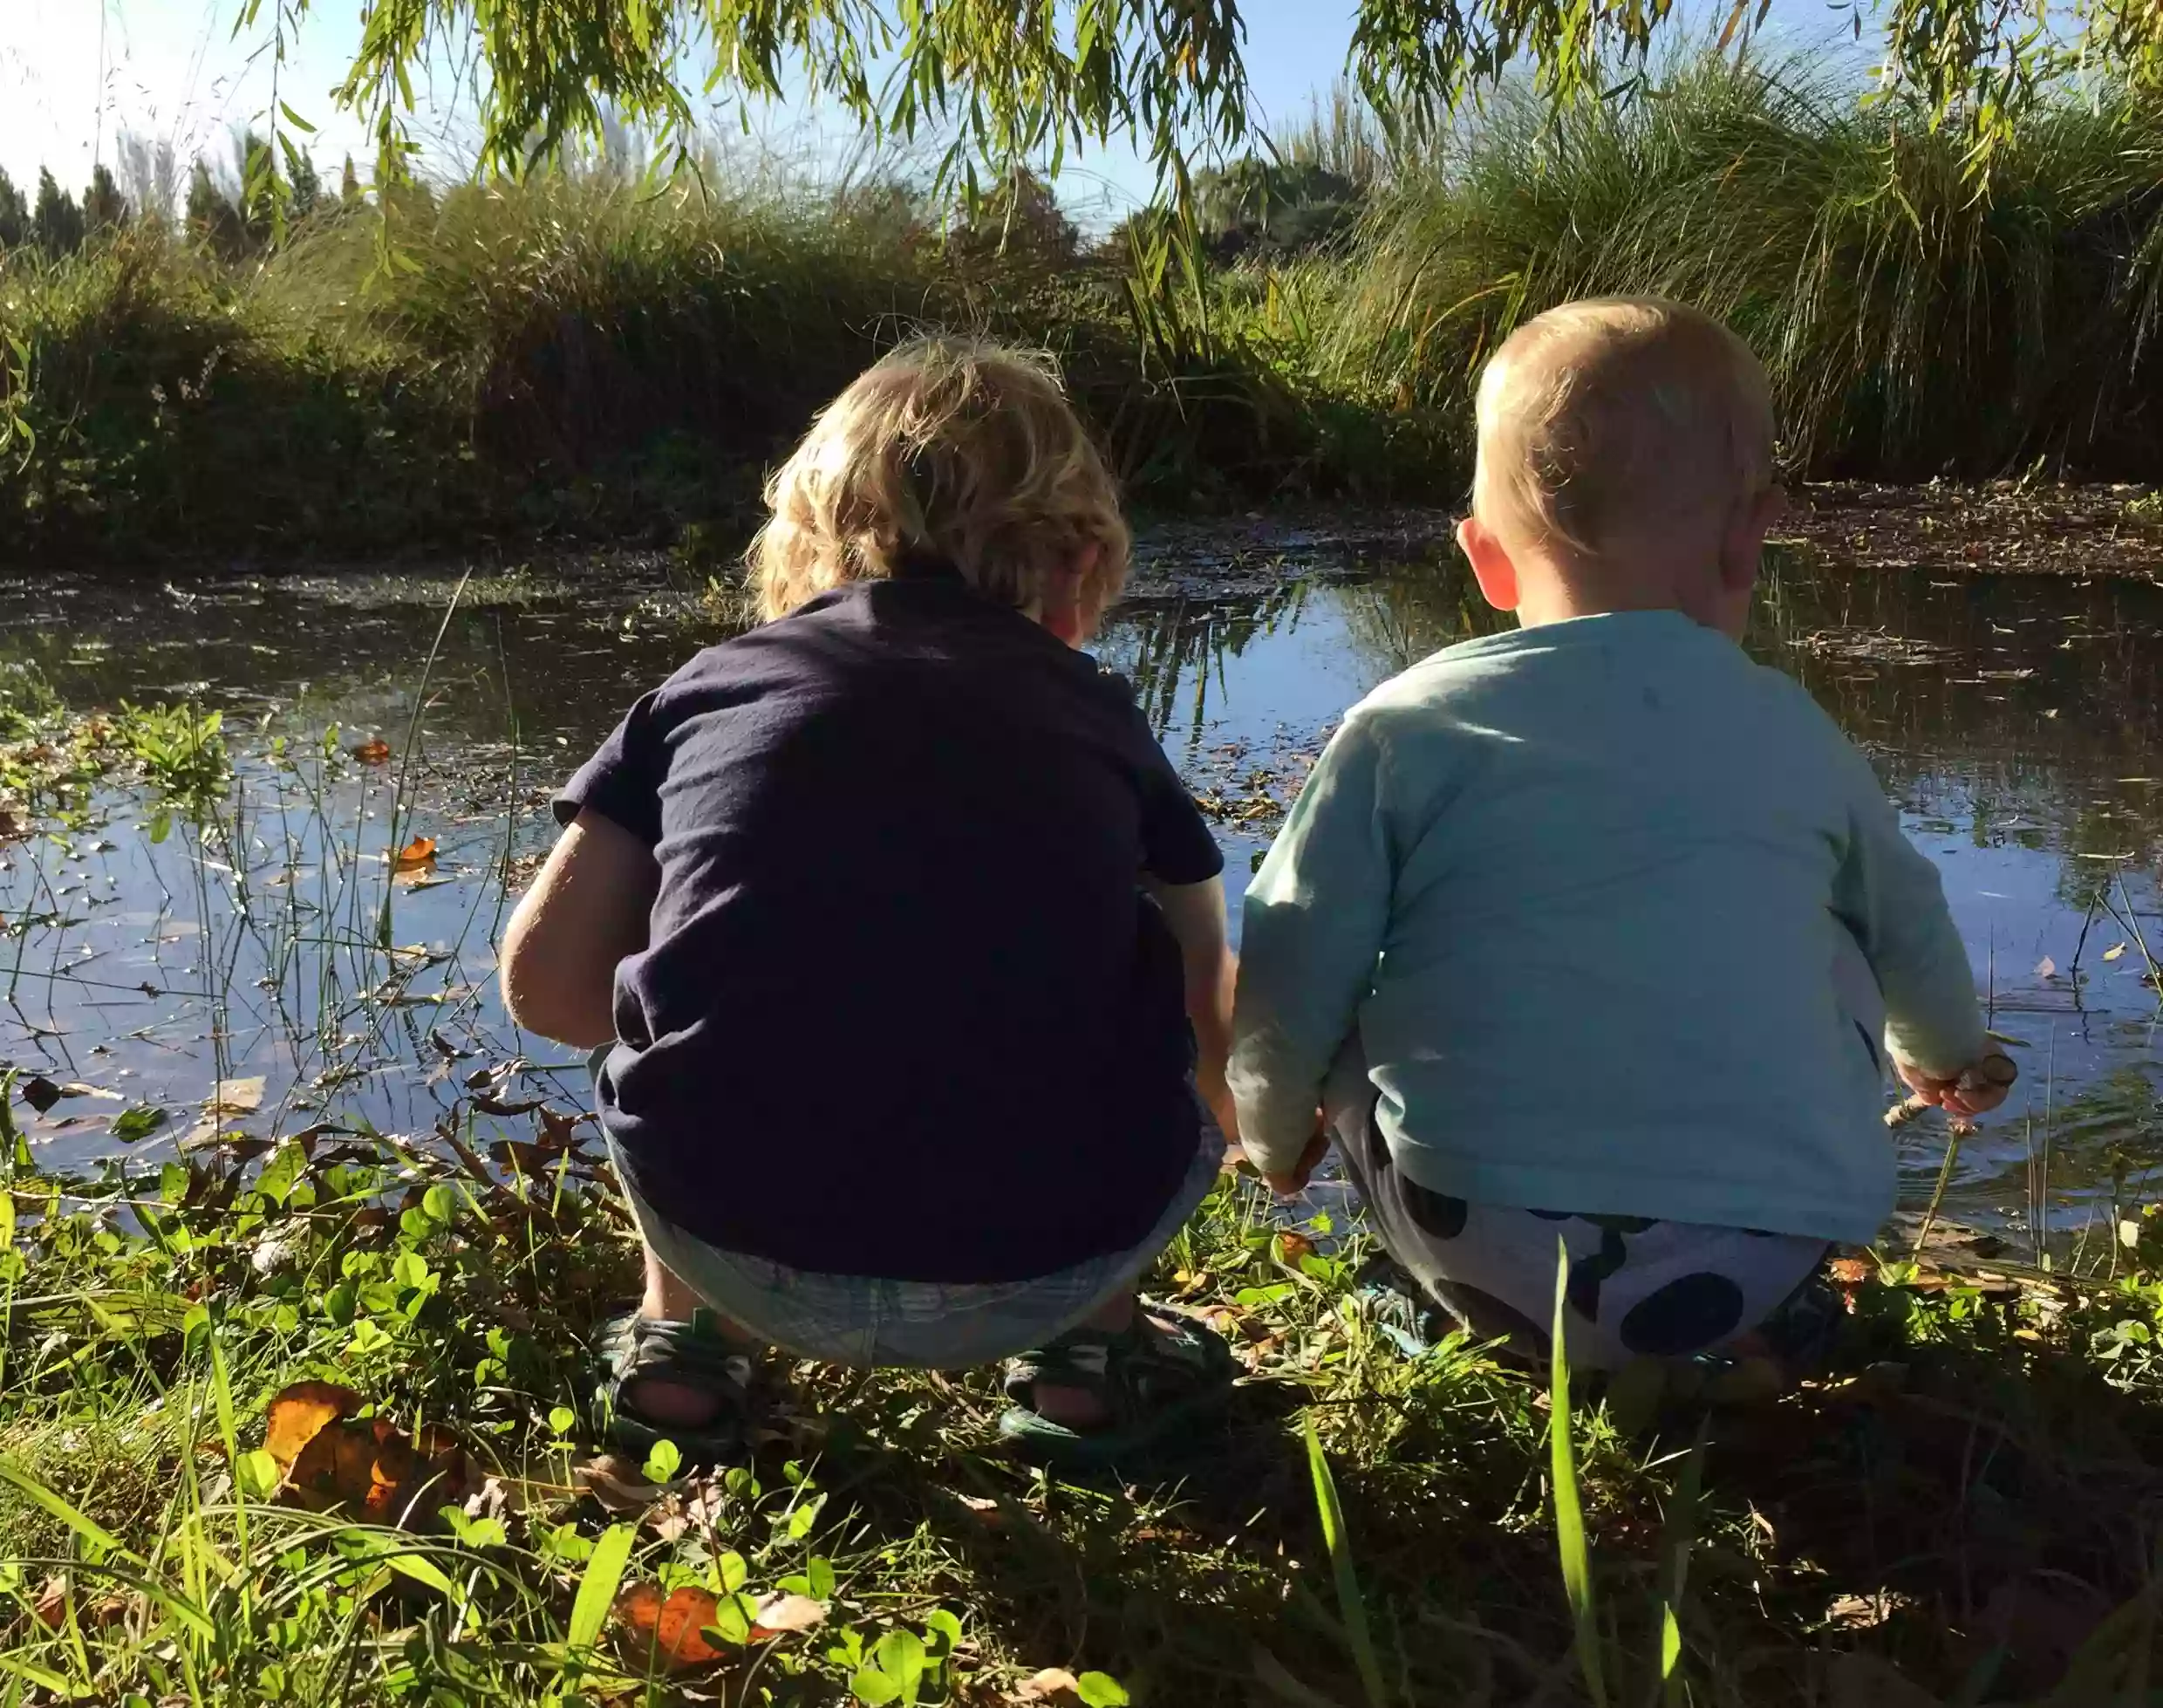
(186, 978)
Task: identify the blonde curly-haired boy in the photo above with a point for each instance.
(902, 945)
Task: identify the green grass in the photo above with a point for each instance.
(1913, 326)
(1372, 1528)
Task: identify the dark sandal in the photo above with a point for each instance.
(1157, 1378)
(644, 1349)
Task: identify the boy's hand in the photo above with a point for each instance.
(1978, 1088)
(1292, 1182)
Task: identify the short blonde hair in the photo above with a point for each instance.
(1619, 413)
(945, 449)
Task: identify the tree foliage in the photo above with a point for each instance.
(104, 206)
(1019, 82)
(14, 214)
(56, 221)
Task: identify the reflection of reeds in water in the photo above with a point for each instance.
(283, 885)
(1186, 646)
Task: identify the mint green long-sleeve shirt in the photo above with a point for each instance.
(1580, 893)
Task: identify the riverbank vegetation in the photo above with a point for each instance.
(301, 1422)
(594, 352)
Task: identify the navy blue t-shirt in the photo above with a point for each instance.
(905, 1011)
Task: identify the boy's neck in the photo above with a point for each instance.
(1550, 590)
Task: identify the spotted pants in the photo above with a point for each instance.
(1637, 1287)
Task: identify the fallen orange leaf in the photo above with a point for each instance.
(670, 1627)
(1849, 1271)
(330, 1458)
(374, 753)
(416, 854)
(299, 1414)
(1290, 1247)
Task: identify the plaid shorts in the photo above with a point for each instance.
(869, 1323)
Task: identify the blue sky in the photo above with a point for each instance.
(75, 73)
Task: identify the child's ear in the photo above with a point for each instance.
(1748, 524)
(1492, 566)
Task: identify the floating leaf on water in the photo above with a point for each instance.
(2046, 968)
(38, 1092)
(376, 752)
(136, 1124)
(490, 1106)
(237, 1096)
(2113, 953)
(416, 855)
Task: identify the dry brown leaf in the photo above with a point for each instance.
(416, 855)
(2046, 968)
(780, 1614)
(1290, 1247)
(616, 1484)
(1053, 1684)
(376, 752)
(51, 1608)
(669, 1628)
(1849, 1271)
(558, 1128)
(331, 1459)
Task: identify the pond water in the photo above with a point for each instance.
(259, 968)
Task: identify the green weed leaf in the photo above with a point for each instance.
(1568, 1509)
(1101, 1690)
(597, 1585)
(1350, 1603)
(900, 1656)
(137, 1123)
(663, 1462)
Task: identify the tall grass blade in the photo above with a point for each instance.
(1680, 1538)
(597, 1589)
(88, 1528)
(1350, 1603)
(1569, 1512)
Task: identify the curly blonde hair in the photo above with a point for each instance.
(945, 449)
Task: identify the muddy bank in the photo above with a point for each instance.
(2001, 527)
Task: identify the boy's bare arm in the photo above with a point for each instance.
(1196, 914)
(585, 913)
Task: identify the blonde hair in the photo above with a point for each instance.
(945, 449)
(1615, 413)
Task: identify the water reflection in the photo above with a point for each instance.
(2018, 723)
